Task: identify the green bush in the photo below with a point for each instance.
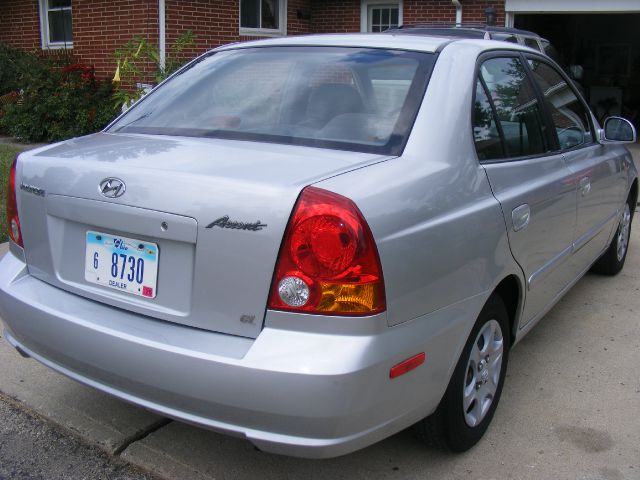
(13, 62)
(56, 101)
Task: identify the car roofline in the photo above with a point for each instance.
(427, 43)
(406, 28)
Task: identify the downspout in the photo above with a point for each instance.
(458, 6)
(162, 47)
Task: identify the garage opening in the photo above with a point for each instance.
(602, 52)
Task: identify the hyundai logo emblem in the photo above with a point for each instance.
(112, 187)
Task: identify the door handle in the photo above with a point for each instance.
(585, 185)
(520, 217)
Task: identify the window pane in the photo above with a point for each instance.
(570, 118)
(249, 13)
(485, 130)
(394, 17)
(516, 105)
(60, 26)
(270, 15)
(531, 42)
(350, 98)
(383, 17)
(59, 3)
(505, 37)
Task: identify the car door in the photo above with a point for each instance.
(598, 173)
(535, 188)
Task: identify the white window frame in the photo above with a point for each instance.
(364, 11)
(266, 32)
(44, 27)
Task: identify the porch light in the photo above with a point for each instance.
(491, 15)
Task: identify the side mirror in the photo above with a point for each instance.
(618, 130)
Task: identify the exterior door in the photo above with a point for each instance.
(536, 189)
(597, 172)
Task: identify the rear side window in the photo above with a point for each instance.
(485, 128)
(516, 105)
(569, 116)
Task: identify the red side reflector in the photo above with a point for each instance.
(407, 365)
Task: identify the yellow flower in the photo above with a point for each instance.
(116, 77)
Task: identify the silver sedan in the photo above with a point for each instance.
(316, 242)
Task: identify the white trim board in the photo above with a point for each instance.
(571, 6)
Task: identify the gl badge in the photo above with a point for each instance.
(112, 187)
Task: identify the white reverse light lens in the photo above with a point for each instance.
(15, 230)
(293, 291)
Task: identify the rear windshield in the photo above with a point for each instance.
(344, 98)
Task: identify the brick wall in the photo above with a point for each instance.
(296, 25)
(344, 15)
(473, 11)
(213, 23)
(20, 24)
(102, 26)
(338, 16)
(217, 22)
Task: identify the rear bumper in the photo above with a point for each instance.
(288, 392)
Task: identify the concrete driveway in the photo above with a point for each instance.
(570, 409)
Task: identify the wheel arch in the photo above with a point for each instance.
(510, 291)
(633, 194)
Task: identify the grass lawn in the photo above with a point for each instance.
(7, 154)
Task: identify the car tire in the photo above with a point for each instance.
(474, 385)
(612, 261)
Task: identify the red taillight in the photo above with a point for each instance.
(328, 261)
(13, 221)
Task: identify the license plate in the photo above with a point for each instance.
(121, 263)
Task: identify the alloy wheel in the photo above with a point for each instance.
(483, 373)
(624, 228)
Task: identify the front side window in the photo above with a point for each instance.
(55, 23)
(516, 106)
(262, 17)
(568, 114)
(355, 99)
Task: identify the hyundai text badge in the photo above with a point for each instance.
(112, 187)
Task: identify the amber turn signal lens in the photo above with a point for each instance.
(350, 298)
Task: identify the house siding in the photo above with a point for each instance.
(344, 15)
(100, 26)
(20, 24)
(339, 16)
(216, 23)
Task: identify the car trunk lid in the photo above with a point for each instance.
(216, 209)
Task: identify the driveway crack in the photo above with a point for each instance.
(140, 434)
